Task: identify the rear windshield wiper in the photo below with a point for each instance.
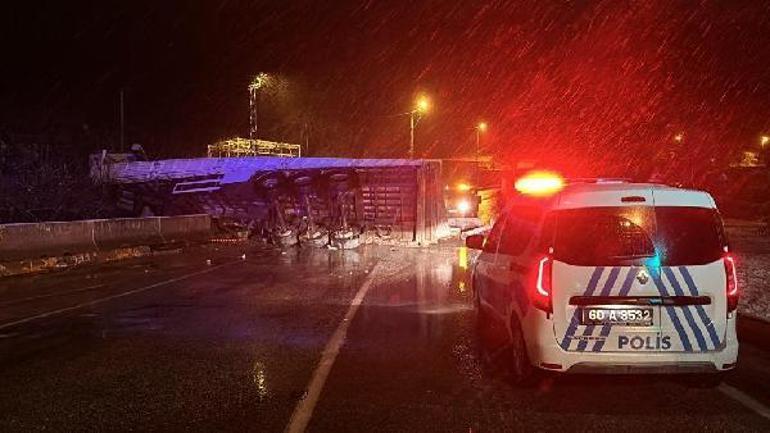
(633, 256)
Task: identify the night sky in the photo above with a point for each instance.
(607, 81)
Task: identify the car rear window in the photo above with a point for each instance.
(688, 235)
(603, 236)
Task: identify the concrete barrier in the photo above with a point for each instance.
(50, 239)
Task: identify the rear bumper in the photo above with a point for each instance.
(646, 368)
(547, 354)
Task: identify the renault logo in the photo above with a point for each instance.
(643, 277)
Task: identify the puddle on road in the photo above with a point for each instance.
(426, 281)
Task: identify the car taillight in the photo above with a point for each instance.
(732, 283)
(543, 284)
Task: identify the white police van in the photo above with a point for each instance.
(609, 277)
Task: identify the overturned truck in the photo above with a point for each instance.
(319, 201)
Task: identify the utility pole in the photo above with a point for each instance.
(421, 107)
(480, 128)
(411, 135)
(253, 111)
(258, 82)
(478, 146)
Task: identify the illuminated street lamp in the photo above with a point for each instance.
(481, 127)
(764, 140)
(259, 81)
(679, 137)
(421, 107)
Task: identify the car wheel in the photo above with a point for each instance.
(521, 372)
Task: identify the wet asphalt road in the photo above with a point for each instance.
(169, 343)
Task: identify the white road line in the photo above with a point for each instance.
(109, 298)
(304, 409)
(50, 295)
(745, 399)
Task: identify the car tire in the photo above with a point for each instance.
(521, 373)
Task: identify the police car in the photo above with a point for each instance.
(609, 277)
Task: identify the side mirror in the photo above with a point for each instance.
(475, 242)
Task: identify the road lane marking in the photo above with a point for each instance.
(110, 298)
(50, 295)
(304, 409)
(745, 399)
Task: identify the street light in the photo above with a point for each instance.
(259, 81)
(764, 140)
(679, 137)
(421, 107)
(481, 127)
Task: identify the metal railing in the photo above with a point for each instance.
(242, 147)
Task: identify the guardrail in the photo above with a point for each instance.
(49, 239)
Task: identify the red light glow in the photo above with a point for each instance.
(540, 183)
(732, 283)
(543, 283)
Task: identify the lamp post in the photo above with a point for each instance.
(480, 128)
(421, 107)
(259, 81)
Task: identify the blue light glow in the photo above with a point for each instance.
(653, 262)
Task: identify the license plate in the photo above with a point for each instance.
(617, 316)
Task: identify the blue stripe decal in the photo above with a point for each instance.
(699, 308)
(686, 310)
(610, 283)
(655, 274)
(582, 344)
(632, 273)
(589, 330)
(573, 324)
(624, 289)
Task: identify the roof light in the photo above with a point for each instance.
(462, 186)
(540, 183)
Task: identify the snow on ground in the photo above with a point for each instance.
(751, 245)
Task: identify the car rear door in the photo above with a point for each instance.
(603, 293)
(690, 242)
(627, 280)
